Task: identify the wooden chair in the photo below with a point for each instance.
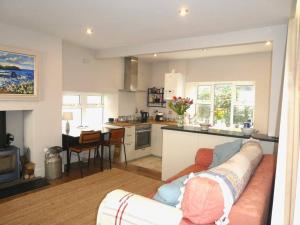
(89, 140)
(116, 137)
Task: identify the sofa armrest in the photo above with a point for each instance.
(121, 206)
(191, 169)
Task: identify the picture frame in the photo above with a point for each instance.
(19, 74)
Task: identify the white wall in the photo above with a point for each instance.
(82, 72)
(276, 34)
(42, 126)
(254, 67)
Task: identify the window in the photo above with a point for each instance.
(87, 109)
(225, 104)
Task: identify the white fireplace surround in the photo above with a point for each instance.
(42, 118)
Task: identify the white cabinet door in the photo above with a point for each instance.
(174, 85)
(129, 135)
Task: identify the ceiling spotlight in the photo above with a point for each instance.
(268, 43)
(89, 31)
(183, 12)
(154, 55)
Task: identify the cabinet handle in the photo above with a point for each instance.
(128, 135)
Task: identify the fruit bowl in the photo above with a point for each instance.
(204, 126)
(247, 131)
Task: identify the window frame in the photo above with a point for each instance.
(83, 105)
(234, 102)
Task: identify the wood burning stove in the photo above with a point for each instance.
(9, 164)
(9, 155)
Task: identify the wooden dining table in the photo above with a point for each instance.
(72, 139)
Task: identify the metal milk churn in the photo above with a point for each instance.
(53, 163)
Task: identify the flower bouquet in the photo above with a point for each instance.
(180, 105)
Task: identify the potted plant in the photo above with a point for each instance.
(180, 105)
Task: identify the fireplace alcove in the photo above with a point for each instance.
(11, 122)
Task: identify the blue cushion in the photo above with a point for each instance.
(169, 193)
(225, 151)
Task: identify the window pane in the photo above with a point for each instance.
(203, 112)
(71, 100)
(94, 100)
(245, 94)
(76, 118)
(94, 118)
(242, 113)
(222, 104)
(203, 93)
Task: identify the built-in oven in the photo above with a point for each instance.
(142, 136)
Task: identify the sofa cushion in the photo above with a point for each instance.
(170, 192)
(202, 200)
(204, 157)
(225, 151)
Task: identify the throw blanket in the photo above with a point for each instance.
(232, 176)
(123, 208)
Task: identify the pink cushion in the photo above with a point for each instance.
(202, 201)
(204, 157)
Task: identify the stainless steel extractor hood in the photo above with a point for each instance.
(130, 74)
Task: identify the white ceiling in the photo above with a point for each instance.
(132, 22)
(208, 52)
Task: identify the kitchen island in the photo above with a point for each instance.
(180, 145)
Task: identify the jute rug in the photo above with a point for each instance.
(72, 203)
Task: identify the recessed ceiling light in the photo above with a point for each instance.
(268, 43)
(89, 31)
(154, 55)
(183, 12)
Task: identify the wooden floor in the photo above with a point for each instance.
(74, 202)
(150, 162)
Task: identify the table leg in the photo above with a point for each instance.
(101, 159)
(68, 157)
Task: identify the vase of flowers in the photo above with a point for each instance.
(180, 105)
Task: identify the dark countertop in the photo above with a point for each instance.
(133, 123)
(218, 132)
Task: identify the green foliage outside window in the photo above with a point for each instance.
(232, 104)
(222, 103)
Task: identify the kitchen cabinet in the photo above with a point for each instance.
(156, 140)
(130, 136)
(174, 85)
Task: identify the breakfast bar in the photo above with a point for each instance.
(180, 145)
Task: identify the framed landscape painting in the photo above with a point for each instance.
(18, 74)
